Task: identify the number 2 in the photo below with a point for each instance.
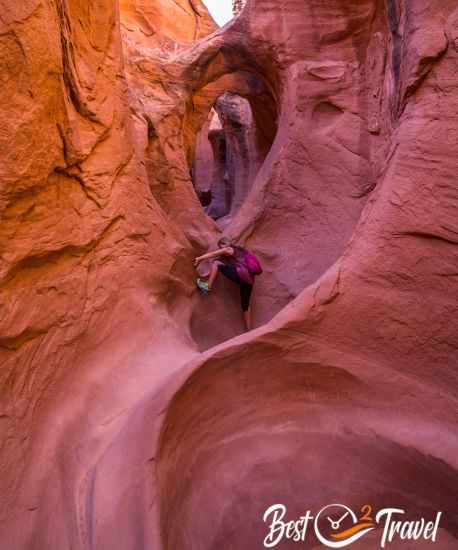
(366, 511)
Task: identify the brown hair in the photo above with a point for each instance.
(224, 241)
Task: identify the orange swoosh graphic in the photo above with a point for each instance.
(352, 530)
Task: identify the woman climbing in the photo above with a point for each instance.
(239, 265)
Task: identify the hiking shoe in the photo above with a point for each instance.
(203, 286)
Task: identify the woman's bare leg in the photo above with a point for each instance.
(247, 318)
(213, 274)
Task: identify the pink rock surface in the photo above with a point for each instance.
(117, 432)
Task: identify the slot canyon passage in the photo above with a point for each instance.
(322, 135)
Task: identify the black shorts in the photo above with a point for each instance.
(246, 289)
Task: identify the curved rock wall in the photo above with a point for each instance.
(116, 433)
(89, 260)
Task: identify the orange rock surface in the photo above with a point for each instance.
(130, 417)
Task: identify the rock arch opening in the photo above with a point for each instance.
(227, 157)
(231, 128)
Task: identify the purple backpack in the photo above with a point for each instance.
(247, 265)
(252, 263)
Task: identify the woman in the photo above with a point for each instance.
(237, 264)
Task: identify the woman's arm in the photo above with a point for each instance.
(227, 251)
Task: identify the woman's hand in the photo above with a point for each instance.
(197, 261)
